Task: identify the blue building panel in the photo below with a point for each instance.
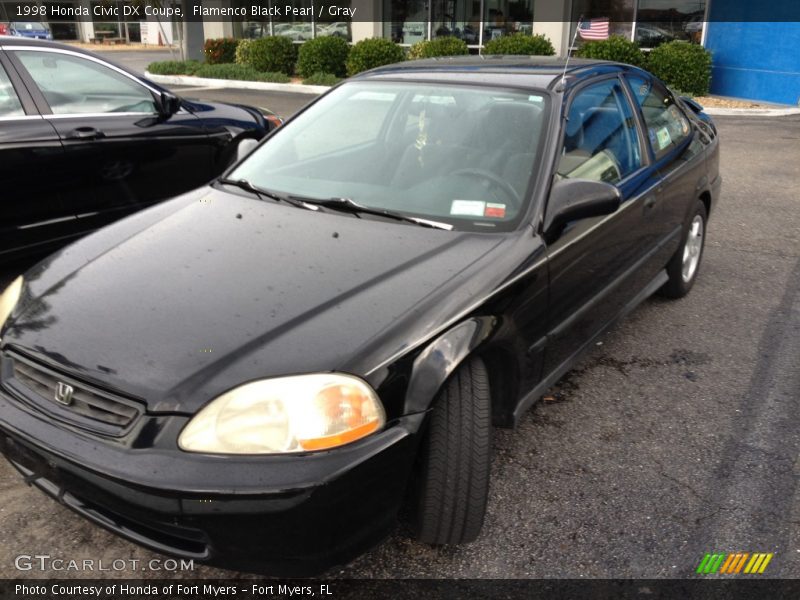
(755, 60)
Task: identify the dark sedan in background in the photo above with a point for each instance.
(259, 373)
(84, 142)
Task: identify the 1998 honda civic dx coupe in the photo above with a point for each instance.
(259, 373)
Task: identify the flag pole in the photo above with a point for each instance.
(569, 50)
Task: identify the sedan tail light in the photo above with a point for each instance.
(4, 29)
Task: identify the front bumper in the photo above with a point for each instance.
(279, 515)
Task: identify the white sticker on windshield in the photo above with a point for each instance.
(664, 138)
(468, 208)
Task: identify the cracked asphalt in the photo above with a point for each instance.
(676, 436)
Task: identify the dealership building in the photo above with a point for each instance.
(754, 45)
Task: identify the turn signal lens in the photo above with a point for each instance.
(9, 299)
(288, 414)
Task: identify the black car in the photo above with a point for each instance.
(84, 142)
(259, 373)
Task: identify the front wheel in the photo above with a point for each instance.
(454, 471)
(683, 266)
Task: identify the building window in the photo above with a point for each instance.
(406, 22)
(506, 17)
(457, 18)
(474, 21)
(648, 22)
(620, 15)
(658, 21)
(298, 29)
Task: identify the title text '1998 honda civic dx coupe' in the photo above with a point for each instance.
(259, 373)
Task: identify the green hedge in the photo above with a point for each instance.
(371, 53)
(240, 72)
(616, 48)
(327, 54)
(273, 54)
(174, 67)
(220, 50)
(442, 46)
(243, 52)
(682, 66)
(520, 43)
(322, 79)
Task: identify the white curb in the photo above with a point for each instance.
(295, 88)
(751, 112)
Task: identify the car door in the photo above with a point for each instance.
(677, 148)
(599, 266)
(121, 153)
(31, 172)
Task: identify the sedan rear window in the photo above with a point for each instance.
(457, 154)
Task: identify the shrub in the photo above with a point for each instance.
(220, 50)
(240, 72)
(616, 48)
(682, 66)
(273, 54)
(327, 54)
(520, 43)
(371, 53)
(322, 79)
(442, 46)
(243, 52)
(174, 67)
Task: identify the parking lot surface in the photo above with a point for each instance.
(676, 436)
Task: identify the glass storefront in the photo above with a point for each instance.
(658, 21)
(296, 28)
(474, 21)
(648, 22)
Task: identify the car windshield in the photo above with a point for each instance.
(459, 155)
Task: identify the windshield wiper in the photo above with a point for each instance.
(350, 206)
(248, 186)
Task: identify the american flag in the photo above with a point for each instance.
(594, 29)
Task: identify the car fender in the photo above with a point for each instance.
(441, 357)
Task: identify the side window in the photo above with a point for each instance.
(10, 105)
(666, 125)
(600, 139)
(75, 85)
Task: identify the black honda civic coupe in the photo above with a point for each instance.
(260, 373)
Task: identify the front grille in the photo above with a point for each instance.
(73, 400)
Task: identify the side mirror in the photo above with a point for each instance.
(573, 199)
(168, 104)
(245, 147)
(696, 107)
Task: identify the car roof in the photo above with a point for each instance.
(540, 72)
(10, 40)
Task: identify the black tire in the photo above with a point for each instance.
(453, 483)
(678, 286)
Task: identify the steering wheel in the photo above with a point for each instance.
(501, 183)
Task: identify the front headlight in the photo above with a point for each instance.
(287, 414)
(9, 299)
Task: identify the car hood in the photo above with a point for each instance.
(184, 301)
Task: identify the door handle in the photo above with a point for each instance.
(85, 133)
(649, 203)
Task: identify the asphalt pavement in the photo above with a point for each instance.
(676, 436)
